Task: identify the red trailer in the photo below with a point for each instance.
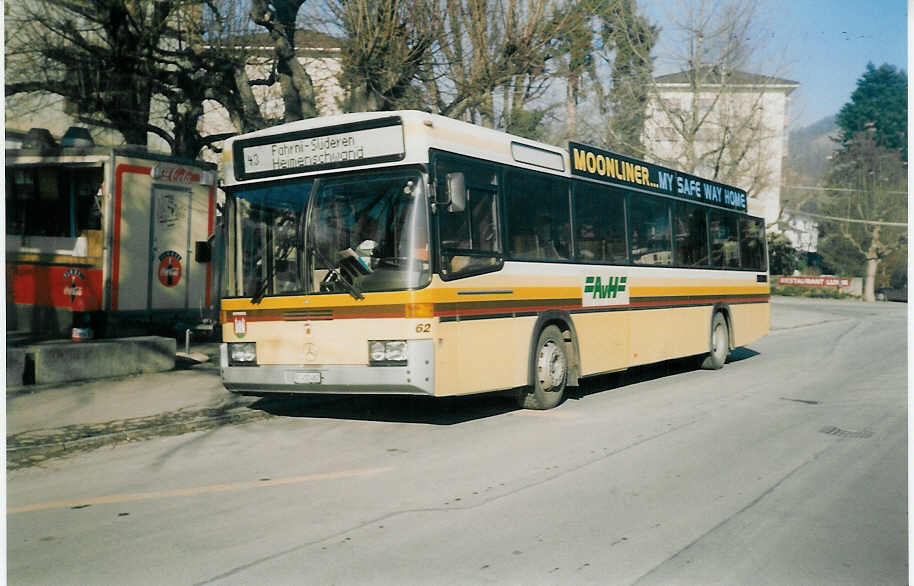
(118, 240)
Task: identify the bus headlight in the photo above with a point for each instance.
(242, 353)
(387, 352)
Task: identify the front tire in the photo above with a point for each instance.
(550, 365)
(719, 343)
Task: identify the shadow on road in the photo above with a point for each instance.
(389, 408)
(454, 410)
(649, 372)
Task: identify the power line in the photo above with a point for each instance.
(813, 188)
(849, 220)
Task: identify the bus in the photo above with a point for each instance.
(408, 253)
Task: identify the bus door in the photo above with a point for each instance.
(169, 261)
(470, 244)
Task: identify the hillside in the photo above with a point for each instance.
(809, 149)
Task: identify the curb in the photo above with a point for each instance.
(31, 448)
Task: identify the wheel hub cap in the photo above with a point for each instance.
(551, 366)
(719, 343)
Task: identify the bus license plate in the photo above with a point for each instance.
(306, 378)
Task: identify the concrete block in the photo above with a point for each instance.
(59, 362)
(15, 367)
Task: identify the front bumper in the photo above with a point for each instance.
(416, 378)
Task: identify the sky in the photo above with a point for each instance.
(822, 44)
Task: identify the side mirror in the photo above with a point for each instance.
(203, 251)
(457, 192)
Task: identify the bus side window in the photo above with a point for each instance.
(691, 235)
(752, 244)
(539, 223)
(650, 232)
(724, 240)
(599, 219)
(469, 239)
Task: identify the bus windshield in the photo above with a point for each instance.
(377, 220)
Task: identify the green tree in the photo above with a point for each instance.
(880, 102)
(632, 39)
(783, 259)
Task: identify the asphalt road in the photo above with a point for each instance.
(789, 466)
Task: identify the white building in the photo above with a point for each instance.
(801, 230)
(317, 52)
(691, 114)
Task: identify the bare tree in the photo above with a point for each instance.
(97, 55)
(278, 17)
(385, 48)
(607, 69)
(715, 117)
(140, 68)
(487, 61)
(869, 206)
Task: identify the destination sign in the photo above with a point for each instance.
(375, 141)
(594, 163)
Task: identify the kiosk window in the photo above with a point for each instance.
(53, 201)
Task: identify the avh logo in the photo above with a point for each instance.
(605, 290)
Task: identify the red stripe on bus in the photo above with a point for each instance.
(504, 309)
(116, 245)
(696, 301)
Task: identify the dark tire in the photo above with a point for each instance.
(550, 367)
(719, 343)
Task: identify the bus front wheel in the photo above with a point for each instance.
(550, 367)
(719, 343)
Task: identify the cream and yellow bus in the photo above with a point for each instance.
(408, 253)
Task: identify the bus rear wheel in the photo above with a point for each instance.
(550, 364)
(719, 343)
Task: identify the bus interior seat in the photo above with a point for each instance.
(526, 245)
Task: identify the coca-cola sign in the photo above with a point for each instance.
(175, 174)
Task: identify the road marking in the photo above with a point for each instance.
(195, 491)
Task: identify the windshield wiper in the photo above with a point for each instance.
(261, 290)
(345, 273)
(264, 284)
